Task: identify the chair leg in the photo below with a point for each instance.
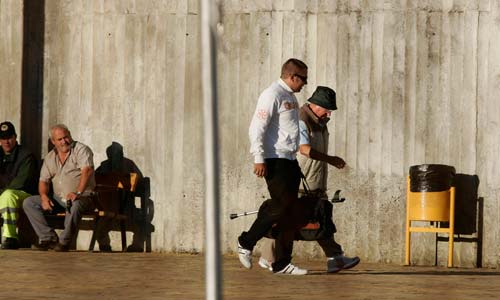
(452, 227)
(123, 230)
(450, 250)
(408, 223)
(407, 244)
(148, 242)
(94, 228)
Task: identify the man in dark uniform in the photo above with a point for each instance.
(17, 181)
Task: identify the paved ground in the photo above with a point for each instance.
(28, 274)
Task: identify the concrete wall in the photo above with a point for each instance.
(11, 38)
(416, 83)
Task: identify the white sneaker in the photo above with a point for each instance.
(292, 270)
(245, 256)
(264, 263)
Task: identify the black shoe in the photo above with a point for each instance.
(333, 265)
(10, 243)
(45, 245)
(341, 262)
(61, 248)
(134, 248)
(105, 248)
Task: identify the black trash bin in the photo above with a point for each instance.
(431, 178)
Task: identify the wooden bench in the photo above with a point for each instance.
(113, 191)
(113, 197)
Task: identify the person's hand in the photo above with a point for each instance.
(259, 169)
(47, 204)
(336, 162)
(71, 196)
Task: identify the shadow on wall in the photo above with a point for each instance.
(468, 214)
(139, 218)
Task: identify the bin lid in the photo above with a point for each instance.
(431, 177)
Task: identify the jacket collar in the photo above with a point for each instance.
(312, 116)
(11, 156)
(284, 85)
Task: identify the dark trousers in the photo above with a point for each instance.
(330, 247)
(283, 180)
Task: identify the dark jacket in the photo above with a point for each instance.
(18, 170)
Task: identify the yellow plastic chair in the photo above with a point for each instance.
(430, 207)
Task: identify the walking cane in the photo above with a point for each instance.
(234, 216)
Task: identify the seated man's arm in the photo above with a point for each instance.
(43, 190)
(87, 173)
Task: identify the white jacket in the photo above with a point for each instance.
(274, 130)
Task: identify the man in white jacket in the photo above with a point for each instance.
(274, 138)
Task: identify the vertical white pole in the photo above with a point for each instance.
(213, 272)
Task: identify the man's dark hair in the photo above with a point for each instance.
(291, 67)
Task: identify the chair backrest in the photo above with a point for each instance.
(116, 181)
(428, 206)
(114, 189)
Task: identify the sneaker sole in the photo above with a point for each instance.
(333, 270)
(351, 265)
(288, 274)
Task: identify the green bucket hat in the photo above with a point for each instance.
(324, 97)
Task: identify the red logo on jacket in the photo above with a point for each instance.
(290, 105)
(262, 114)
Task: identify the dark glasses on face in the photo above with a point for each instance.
(303, 78)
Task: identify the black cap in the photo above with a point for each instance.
(7, 130)
(324, 97)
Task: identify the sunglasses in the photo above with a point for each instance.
(303, 78)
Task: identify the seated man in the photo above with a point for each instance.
(17, 182)
(70, 169)
(313, 161)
